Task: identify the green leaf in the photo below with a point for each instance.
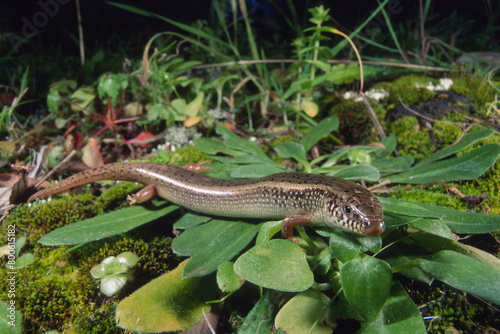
(212, 146)
(189, 220)
(292, 150)
(227, 279)
(394, 165)
(347, 74)
(323, 129)
(277, 264)
(167, 303)
(303, 312)
(366, 283)
(197, 238)
(194, 106)
(434, 227)
(398, 315)
(233, 141)
(111, 284)
(24, 261)
(104, 226)
(255, 171)
(222, 248)
(457, 221)
(344, 246)
(267, 231)
(11, 319)
(464, 273)
(407, 208)
(469, 166)
(260, 319)
(357, 172)
(82, 98)
(465, 142)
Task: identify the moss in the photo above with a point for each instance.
(115, 196)
(405, 87)
(285, 138)
(445, 134)
(58, 293)
(434, 194)
(476, 88)
(443, 308)
(186, 155)
(354, 123)
(38, 219)
(412, 140)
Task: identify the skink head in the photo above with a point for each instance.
(357, 210)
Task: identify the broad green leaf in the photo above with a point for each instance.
(303, 312)
(394, 165)
(366, 283)
(189, 220)
(235, 142)
(11, 320)
(249, 159)
(213, 146)
(81, 98)
(464, 273)
(227, 279)
(398, 315)
(434, 227)
(255, 171)
(267, 231)
(292, 150)
(24, 261)
(194, 106)
(466, 141)
(197, 238)
(407, 208)
(469, 166)
(320, 131)
(346, 73)
(457, 221)
(389, 144)
(344, 246)
(260, 319)
(221, 249)
(167, 303)
(357, 172)
(104, 226)
(277, 264)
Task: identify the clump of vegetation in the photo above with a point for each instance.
(412, 139)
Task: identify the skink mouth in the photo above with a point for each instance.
(374, 226)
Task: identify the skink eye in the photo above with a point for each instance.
(347, 209)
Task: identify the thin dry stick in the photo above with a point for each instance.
(373, 117)
(80, 32)
(331, 61)
(71, 154)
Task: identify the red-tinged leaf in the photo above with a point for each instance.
(141, 137)
(91, 155)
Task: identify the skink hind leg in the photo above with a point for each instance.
(143, 195)
(290, 222)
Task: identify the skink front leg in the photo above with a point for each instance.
(290, 222)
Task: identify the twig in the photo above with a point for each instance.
(69, 156)
(373, 117)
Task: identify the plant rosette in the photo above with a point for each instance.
(114, 272)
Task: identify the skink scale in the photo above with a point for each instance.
(297, 198)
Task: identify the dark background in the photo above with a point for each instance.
(52, 50)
